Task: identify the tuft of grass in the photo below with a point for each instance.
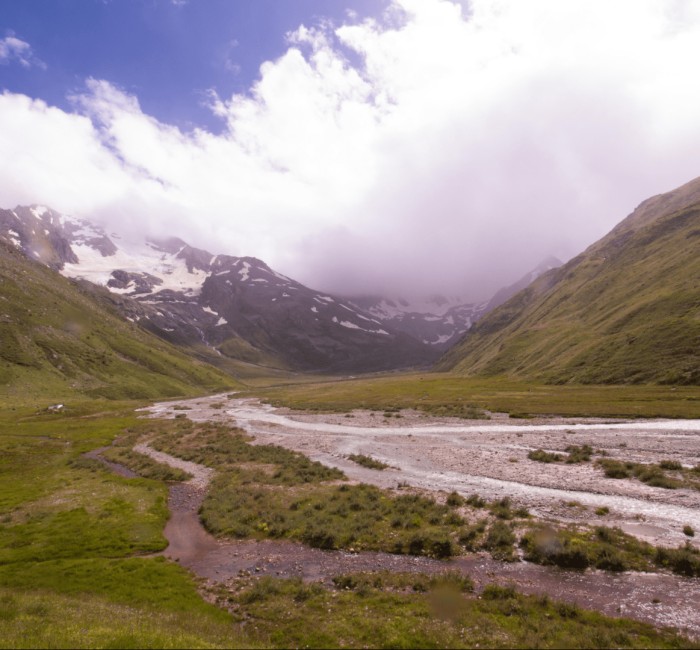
(367, 461)
(542, 456)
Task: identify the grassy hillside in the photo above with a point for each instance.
(627, 310)
(57, 341)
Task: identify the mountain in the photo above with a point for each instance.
(235, 307)
(440, 321)
(56, 341)
(627, 310)
(436, 321)
(506, 293)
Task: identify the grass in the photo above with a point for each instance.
(573, 548)
(433, 393)
(609, 549)
(415, 611)
(71, 533)
(575, 454)
(46, 619)
(265, 491)
(367, 461)
(666, 474)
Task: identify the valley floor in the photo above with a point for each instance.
(488, 457)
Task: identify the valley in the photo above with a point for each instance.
(200, 441)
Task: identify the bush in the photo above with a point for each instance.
(454, 500)
(689, 531)
(367, 461)
(542, 456)
(499, 541)
(579, 454)
(475, 501)
(614, 468)
(684, 560)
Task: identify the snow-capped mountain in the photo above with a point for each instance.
(436, 321)
(237, 305)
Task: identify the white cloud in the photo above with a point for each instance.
(15, 49)
(468, 144)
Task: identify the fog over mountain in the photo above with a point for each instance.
(438, 147)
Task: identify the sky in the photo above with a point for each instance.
(359, 146)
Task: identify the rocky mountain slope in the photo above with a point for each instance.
(56, 340)
(626, 310)
(236, 306)
(440, 321)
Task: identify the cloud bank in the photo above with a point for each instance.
(441, 147)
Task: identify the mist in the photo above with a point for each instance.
(441, 147)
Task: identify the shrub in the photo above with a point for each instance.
(542, 456)
(689, 531)
(454, 500)
(499, 541)
(475, 501)
(684, 560)
(579, 454)
(367, 461)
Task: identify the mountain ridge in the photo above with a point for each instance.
(626, 310)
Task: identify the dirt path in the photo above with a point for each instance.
(659, 599)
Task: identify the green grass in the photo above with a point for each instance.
(542, 456)
(46, 619)
(367, 461)
(435, 393)
(609, 549)
(666, 474)
(71, 533)
(575, 454)
(266, 491)
(413, 611)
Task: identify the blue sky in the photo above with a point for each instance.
(437, 146)
(168, 53)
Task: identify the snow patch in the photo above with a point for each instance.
(245, 271)
(14, 238)
(39, 211)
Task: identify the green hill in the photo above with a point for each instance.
(627, 310)
(57, 340)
